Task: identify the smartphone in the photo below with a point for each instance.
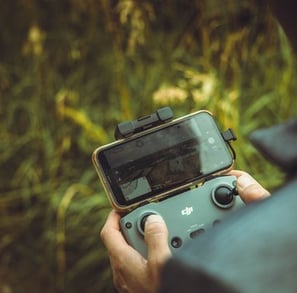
(162, 161)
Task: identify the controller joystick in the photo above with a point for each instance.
(142, 220)
(223, 196)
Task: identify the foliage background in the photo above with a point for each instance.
(70, 70)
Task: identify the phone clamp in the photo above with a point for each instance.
(228, 136)
(128, 128)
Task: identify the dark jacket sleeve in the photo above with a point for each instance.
(180, 277)
(254, 250)
(279, 145)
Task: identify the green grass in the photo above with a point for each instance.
(67, 78)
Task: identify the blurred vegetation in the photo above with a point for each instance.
(70, 70)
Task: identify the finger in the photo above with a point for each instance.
(113, 220)
(250, 189)
(156, 237)
(237, 173)
(124, 259)
(129, 270)
(111, 234)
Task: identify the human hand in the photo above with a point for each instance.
(131, 271)
(249, 188)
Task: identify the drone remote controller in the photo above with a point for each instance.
(186, 215)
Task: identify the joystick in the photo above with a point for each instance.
(142, 221)
(223, 196)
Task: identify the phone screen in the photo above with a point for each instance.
(162, 160)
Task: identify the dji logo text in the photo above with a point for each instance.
(187, 211)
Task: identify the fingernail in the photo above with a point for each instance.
(244, 181)
(154, 218)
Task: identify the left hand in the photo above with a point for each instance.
(131, 271)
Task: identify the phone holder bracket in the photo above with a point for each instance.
(228, 136)
(128, 128)
(161, 116)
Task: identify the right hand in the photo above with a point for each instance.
(249, 188)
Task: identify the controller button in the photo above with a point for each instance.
(196, 233)
(128, 225)
(216, 222)
(176, 242)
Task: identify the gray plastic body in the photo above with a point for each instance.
(186, 215)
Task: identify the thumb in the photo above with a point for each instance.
(156, 238)
(250, 189)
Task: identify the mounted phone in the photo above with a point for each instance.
(162, 161)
